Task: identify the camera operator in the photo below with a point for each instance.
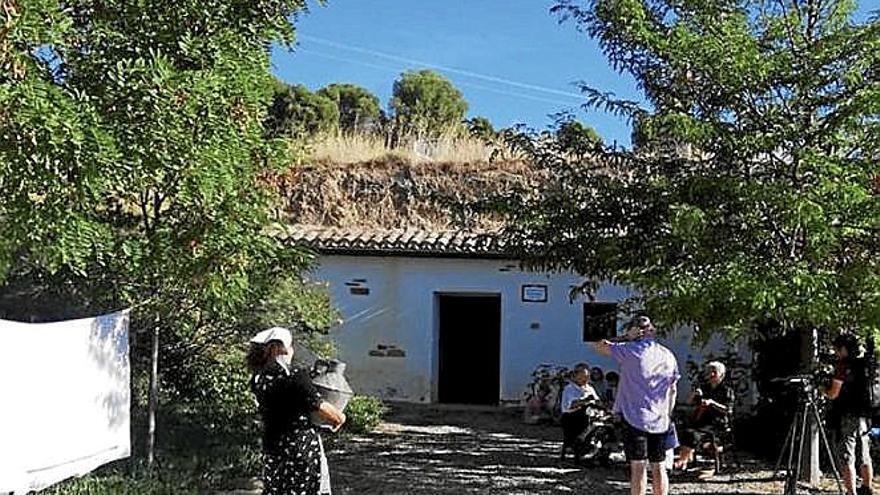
(850, 411)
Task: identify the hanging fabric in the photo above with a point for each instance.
(65, 389)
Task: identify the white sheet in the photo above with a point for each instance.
(64, 399)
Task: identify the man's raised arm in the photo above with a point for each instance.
(603, 347)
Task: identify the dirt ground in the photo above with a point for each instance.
(431, 450)
(436, 450)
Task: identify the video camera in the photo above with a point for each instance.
(795, 380)
(806, 384)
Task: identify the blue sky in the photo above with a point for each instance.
(511, 59)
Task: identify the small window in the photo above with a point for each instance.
(600, 321)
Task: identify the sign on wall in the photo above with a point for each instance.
(534, 293)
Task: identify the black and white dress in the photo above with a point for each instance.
(292, 449)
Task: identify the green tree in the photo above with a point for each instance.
(134, 169)
(481, 128)
(358, 108)
(767, 207)
(425, 103)
(577, 138)
(296, 111)
(751, 200)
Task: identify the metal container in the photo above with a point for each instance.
(328, 376)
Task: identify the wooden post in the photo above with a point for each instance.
(810, 472)
(153, 400)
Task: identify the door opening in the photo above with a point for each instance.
(469, 354)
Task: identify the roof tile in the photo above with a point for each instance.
(397, 241)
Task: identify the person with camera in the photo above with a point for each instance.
(849, 417)
(645, 400)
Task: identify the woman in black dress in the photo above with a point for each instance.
(292, 450)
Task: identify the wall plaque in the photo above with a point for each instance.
(534, 293)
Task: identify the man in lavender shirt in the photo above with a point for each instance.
(645, 398)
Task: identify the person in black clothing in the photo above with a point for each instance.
(849, 416)
(713, 406)
(293, 456)
(612, 381)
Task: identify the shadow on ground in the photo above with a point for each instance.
(432, 450)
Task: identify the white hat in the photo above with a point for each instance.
(275, 333)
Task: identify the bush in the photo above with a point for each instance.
(364, 413)
(119, 479)
(194, 455)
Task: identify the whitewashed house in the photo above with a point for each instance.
(441, 317)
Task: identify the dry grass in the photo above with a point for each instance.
(360, 148)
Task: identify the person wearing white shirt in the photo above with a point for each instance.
(575, 396)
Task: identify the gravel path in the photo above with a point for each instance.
(431, 450)
(435, 450)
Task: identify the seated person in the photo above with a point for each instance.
(713, 401)
(539, 405)
(597, 381)
(575, 397)
(612, 379)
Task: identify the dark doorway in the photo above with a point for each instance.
(470, 348)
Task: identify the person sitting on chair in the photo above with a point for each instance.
(713, 406)
(612, 380)
(575, 397)
(597, 381)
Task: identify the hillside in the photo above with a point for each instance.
(397, 191)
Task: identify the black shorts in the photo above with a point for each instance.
(643, 446)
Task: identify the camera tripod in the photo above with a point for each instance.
(807, 411)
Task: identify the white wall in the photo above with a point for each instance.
(399, 315)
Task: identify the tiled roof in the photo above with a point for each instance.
(390, 242)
